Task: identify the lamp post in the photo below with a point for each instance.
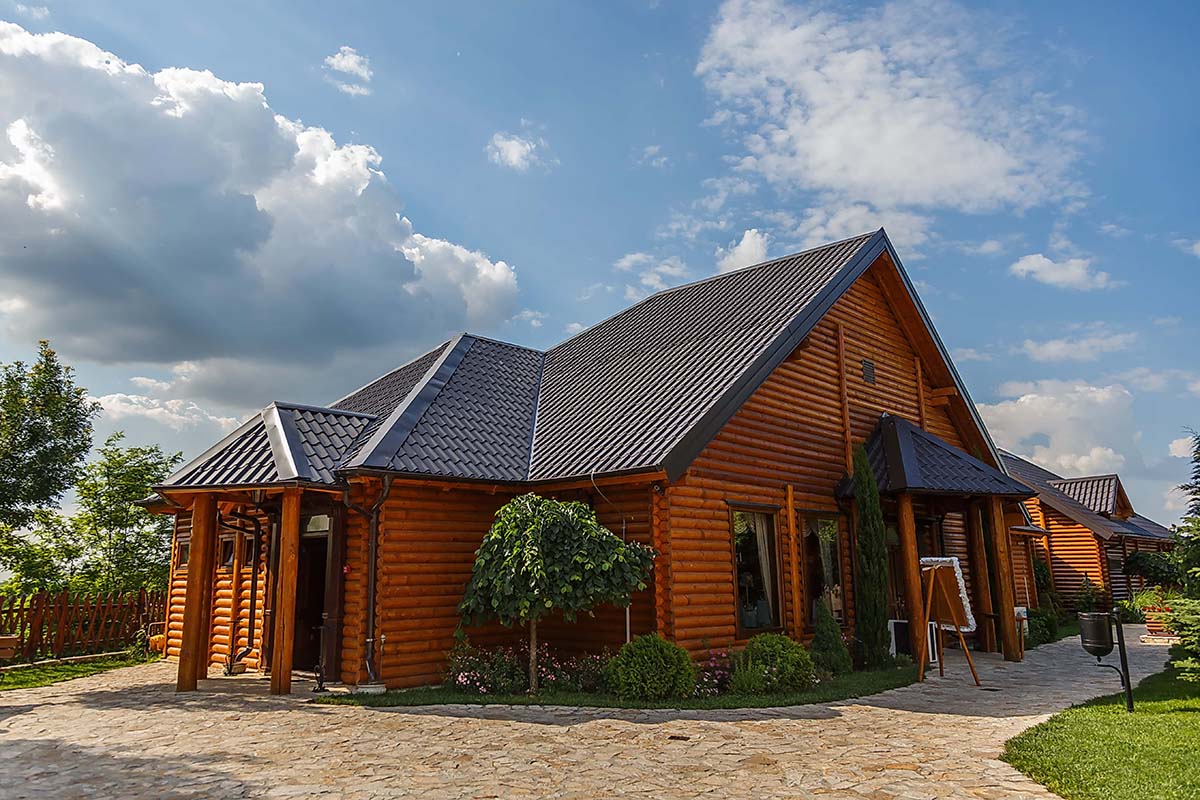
(1095, 635)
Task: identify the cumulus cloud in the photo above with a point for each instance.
(351, 71)
(1189, 246)
(652, 155)
(534, 318)
(176, 217)
(969, 354)
(652, 274)
(1070, 273)
(1181, 447)
(1070, 427)
(176, 414)
(752, 249)
(909, 107)
(1088, 347)
(520, 151)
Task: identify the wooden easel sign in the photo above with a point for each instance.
(946, 605)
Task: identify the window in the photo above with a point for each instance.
(249, 556)
(756, 567)
(823, 565)
(318, 523)
(182, 551)
(227, 548)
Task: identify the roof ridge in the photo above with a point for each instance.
(493, 340)
(388, 429)
(396, 369)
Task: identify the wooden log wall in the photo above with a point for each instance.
(1075, 553)
(221, 626)
(791, 432)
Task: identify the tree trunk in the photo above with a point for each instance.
(533, 649)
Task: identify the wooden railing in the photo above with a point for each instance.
(61, 625)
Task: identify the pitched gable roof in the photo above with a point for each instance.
(1101, 493)
(1050, 491)
(644, 390)
(906, 458)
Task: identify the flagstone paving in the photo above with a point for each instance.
(127, 734)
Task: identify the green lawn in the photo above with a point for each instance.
(1097, 751)
(29, 677)
(858, 684)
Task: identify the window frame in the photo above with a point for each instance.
(772, 512)
(226, 541)
(183, 552)
(806, 591)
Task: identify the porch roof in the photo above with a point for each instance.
(906, 458)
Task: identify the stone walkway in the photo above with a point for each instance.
(126, 734)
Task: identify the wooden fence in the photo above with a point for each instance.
(57, 626)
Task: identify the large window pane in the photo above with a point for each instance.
(823, 573)
(756, 564)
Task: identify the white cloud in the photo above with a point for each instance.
(834, 222)
(988, 247)
(1189, 246)
(1168, 322)
(752, 249)
(1194, 388)
(1070, 427)
(1174, 500)
(176, 414)
(969, 354)
(1088, 347)
(534, 318)
(912, 105)
(1114, 230)
(572, 328)
(354, 66)
(33, 12)
(1071, 273)
(174, 216)
(653, 274)
(349, 61)
(1181, 447)
(653, 156)
(518, 152)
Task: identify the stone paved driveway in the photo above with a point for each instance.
(126, 734)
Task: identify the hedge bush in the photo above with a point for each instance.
(786, 665)
(651, 668)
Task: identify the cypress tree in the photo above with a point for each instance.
(871, 606)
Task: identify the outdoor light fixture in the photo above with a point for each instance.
(1095, 634)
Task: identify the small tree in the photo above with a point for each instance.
(109, 544)
(45, 433)
(871, 605)
(544, 555)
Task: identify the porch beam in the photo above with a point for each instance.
(194, 648)
(1002, 558)
(913, 596)
(981, 582)
(285, 599)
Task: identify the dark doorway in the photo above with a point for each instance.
(310, 601)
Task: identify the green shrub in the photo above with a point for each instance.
(1048, 618)
(1088, 597)
(651, 668)
(495, 670)
(1157, 568)
(1130, 612)
(786, 664)
(1038, 633)
(749, 677)
(1184, 619)
(829, 651)
(1041, 576)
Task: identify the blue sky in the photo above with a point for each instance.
(552, 162)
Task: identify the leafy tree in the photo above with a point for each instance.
(544, 555)
(109, 544)
(45, 433)
(871, 605)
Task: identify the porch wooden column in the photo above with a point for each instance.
(1002, 557)
(981, 581)
(285, 599)
(913, 596)
(193, 651)
(794, 551)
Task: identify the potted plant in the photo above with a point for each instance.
(1154, 604)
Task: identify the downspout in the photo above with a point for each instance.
(372, 517)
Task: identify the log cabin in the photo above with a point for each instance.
(713, 421)
(1089, 530)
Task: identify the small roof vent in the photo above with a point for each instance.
(868, 369)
